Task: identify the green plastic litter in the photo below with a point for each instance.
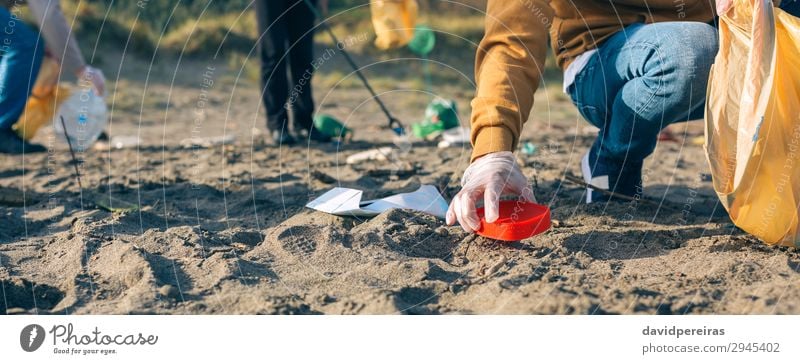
(330, 126)
(528, 148)
(111, 204)
(423, 41)
(440, 115)
(425, 130)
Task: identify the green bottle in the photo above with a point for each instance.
(440, 115)
(330, 126)
(423, 41)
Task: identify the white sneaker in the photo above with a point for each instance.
(597, 181)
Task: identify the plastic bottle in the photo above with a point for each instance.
(85, 116)
(440, 115)
(423, 41)
(331, 127)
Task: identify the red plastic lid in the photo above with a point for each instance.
(518, 220)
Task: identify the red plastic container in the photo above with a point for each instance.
(518, 220)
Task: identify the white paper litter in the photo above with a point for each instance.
(347, 202)
(124, 141)
(207, 142)
(377, 154)
(455, 137)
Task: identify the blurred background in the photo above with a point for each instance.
(156, 55)
(226, 30)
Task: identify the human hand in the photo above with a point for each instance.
(723, 6)
(488, 177)
(95, 77)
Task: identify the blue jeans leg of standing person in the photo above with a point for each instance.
(21, 55)
(642, 79)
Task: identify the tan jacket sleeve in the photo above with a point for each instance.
(509, 64)
(57, 33)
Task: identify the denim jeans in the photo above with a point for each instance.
(21, 54)
(642, 79)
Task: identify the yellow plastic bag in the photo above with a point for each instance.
(394, 22)
(43, 103)
(753, 120)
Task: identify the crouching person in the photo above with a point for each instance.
(630, 67)
(21, 53)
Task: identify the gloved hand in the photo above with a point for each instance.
(93, 76)
(723, 6)
(489, 177)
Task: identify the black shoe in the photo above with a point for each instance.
(11, 143)
(315, 135)
(282, 137)
(103, 142)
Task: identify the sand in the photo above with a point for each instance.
(223, 230)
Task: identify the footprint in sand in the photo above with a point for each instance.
(299, 240)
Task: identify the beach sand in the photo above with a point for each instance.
(224, 230)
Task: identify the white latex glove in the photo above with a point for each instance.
(488, 177)
(723, 6)
(95, 77)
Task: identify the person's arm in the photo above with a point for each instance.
(509, 64)
(57, 34)
(61, 43)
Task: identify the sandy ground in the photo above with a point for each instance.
(224, 230)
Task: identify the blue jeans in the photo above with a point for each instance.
(642, 79)
(20, 57)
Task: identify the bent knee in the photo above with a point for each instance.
(694, 46)
(686, 59)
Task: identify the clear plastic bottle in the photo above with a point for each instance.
(85, 117)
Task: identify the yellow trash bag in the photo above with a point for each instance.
(43, 102)
(753, 120)
(394, 22)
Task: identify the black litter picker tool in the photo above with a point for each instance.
(394, 123)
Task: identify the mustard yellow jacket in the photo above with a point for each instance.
(510, 58)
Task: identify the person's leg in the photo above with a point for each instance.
(20, 58)
(301, 53)
(272, 28)
(641, 80)
(21, 54)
